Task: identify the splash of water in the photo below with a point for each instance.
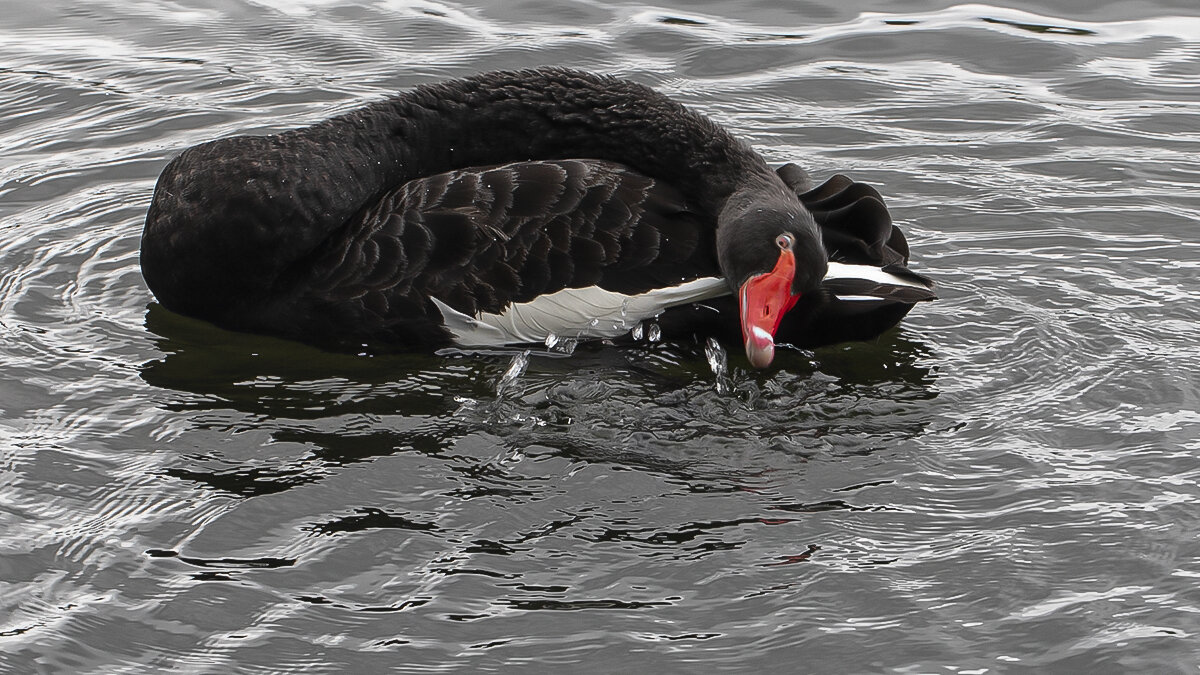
(515, 370)
(465, 404)
(654, 332)
(718, 360)
(561, 345)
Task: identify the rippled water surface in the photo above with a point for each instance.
(1006, 483)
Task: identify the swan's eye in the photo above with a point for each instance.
(785, 241)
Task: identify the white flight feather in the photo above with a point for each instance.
(845, 271)
(860, 298)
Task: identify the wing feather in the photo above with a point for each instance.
(483, 239)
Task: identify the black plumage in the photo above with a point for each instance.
(493, 190)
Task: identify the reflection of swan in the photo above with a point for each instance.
(225, 370)
(268, 377)
(457, 213)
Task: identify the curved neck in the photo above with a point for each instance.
(502, 117)
(254, 207)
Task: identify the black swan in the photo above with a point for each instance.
(516, 207)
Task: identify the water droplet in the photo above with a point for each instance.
(562, 345)
(637, 331)
(465, 404)
(654, 333)
(719, 362)
(515, 370)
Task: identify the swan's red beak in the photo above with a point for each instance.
(763, 300)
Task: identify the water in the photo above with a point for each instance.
(1007, 483)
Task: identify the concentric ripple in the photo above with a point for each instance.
(1007, 482)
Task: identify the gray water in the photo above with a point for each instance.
(1007, 483)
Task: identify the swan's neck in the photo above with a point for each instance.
(232, 218)
(548, 114)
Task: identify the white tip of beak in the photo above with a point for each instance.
(760, 348)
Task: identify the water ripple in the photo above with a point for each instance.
(1008, 481)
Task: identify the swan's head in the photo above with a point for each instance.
(771, 254)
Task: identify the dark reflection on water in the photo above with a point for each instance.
(1006, 484)
(589, 407)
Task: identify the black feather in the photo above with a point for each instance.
(481, 192)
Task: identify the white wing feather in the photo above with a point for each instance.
(573, 313)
